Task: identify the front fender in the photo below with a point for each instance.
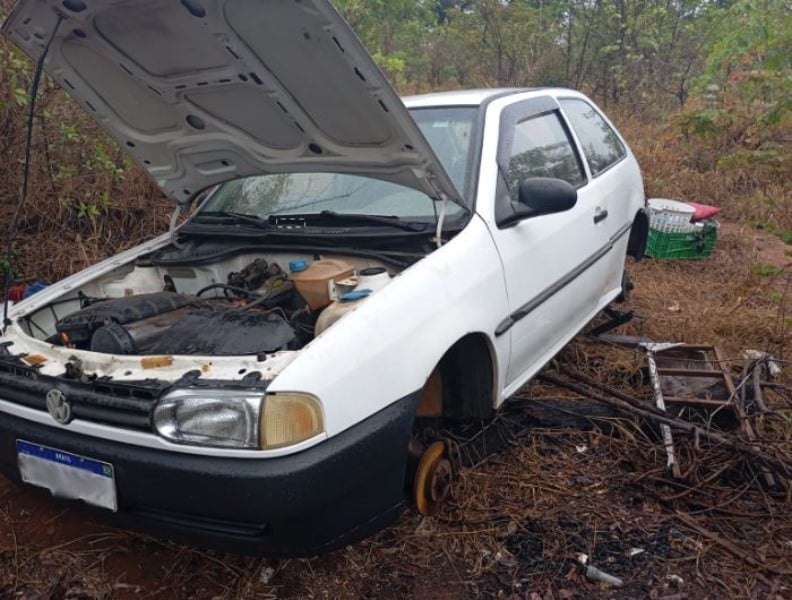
(387, 347)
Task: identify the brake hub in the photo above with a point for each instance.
(432, 479)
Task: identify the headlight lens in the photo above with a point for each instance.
(225, 418)
(290, 418)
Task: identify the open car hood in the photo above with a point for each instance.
(204, 91)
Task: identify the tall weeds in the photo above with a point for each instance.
(732, 149)
(86, 200)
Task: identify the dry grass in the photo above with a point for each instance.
(724, 299)
(713, 170)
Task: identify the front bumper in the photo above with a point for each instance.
(323, 498)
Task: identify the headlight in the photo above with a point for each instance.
(290, 418)
(238, 418)
(206, 417)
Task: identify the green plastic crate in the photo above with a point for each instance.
(679, 246)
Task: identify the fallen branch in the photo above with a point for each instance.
(569, 413)
(630, 405)
(740, 553)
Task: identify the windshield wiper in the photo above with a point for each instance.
(235, 217)
(284, 210)
(275, 222)
(388, 221)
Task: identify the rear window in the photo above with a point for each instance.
(601, 146)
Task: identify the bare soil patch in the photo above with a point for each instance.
(529, 501)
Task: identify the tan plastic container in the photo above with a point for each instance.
(332, 313)
(314, 283)
(368, 282)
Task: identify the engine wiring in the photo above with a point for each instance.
(227, 288)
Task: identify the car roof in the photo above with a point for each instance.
(475, 97)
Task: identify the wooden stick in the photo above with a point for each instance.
(668, 440)
(745, 424)
(757, 388)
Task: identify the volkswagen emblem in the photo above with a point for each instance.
(59, 407)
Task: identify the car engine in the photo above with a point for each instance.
(259, 310)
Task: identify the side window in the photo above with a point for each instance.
(541, 148)
(601, 145)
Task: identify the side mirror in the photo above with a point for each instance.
(540, 196)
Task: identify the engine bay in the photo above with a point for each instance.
(246, 305)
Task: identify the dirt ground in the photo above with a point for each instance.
(532, 500)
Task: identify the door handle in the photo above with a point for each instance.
(600, 215)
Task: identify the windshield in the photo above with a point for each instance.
(448, 130)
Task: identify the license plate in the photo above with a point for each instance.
(68, 475)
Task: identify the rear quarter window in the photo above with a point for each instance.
(601, 146)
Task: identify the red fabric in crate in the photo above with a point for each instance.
(703, 211)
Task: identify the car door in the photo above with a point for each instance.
(551, 262)
(615, 181)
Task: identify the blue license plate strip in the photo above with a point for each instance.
(67, 475)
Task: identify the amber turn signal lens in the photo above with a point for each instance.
(290, 418)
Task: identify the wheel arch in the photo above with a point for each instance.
(639, 234)
(463, 383)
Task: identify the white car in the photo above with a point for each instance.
(250, 381)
